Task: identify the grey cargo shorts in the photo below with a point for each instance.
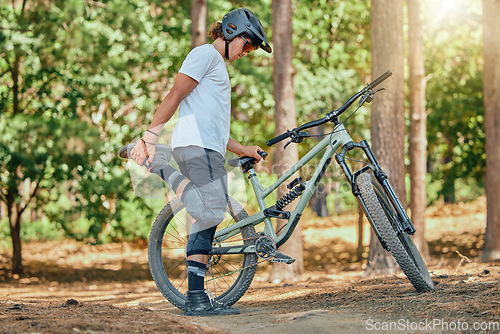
(205, 168)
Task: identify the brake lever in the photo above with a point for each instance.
(363, 99)
(368, 96)
(297, 138)
(373, 94)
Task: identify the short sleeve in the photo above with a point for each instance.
(197, 62)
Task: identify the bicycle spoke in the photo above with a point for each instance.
(167, 243)
(177, 266)
(216, 283)
(178, 244)
(181, 240)
(213, 279)
(180, 235)
(182, 283)
(174, 248)
(222, 277)
(230, 263)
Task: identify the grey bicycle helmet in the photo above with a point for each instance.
(242, 21)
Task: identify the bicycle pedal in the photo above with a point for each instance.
(287, 261)
(279, 257)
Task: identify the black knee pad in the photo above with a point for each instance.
(200, 242)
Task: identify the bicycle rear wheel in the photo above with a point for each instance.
(400, 243)
(228, 276)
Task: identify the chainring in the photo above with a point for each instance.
(263, 246)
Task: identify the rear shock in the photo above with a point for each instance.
(297, 188)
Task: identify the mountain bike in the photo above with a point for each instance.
(238, 248)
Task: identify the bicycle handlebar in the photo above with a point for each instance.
(332, 115)
(275, 140)
(381, 78)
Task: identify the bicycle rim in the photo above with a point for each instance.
(228, 276)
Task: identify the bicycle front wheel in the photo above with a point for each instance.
(228, 276)
(400, 244)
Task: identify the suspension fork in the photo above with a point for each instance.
(351, 178)
(381, 177)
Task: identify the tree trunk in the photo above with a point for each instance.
(285, 118)
(15, 233)
(199, 22)
(15, 84)
(380, 261)
(388, 123)
(418, 128)
(337, 202)
(318, 200)
(448, 190)
(317, 203)
(491, 12)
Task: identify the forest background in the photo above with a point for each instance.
(79, 79)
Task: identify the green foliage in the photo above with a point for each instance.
(42, 150)
(78, 79)
(251, 80)
(455, 97)
(332, 52)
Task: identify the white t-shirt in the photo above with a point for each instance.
(204, 115)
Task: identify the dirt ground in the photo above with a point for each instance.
(72, 287)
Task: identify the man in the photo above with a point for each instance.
(199, 142)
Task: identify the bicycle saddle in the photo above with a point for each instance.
(245, 162)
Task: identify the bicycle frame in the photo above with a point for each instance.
(340, 137)
(332, 142)
(238, 249)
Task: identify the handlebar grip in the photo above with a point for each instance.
(381, 78)
(275, 140)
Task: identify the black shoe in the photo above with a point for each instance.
(200, 304)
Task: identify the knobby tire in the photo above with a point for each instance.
(399, 242)
(228, 276)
